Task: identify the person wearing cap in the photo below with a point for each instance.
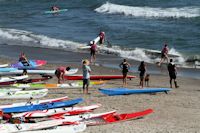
(86, 76)
(60, 72)
(164, 54)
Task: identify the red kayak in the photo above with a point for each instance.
(113, 118)
(26, 81)
(97, 77)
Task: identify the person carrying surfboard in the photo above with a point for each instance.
(164, 54)
(172, 73)
(23, 59)
(93, 51)
(60, 72)
(86, 76)
(125, 66)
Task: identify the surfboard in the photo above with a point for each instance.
(56, 11)
(13, 78)
(32, 64)
(3, 65)
(157, 52)
(41, 72)
(98, 77)
(23, 94)
(4, 69)
(126, 91)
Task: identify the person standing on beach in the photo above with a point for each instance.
(142, 69)
(93, 51)
(125, 66)
(164, 54)
(60, 73)
(23, 59)
(102, 37)
(172, 73)
(86, 76)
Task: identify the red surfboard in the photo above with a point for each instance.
(97, 77)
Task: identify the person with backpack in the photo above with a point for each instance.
(125, 66)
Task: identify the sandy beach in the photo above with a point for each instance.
(177, 111)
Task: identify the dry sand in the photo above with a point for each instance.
(177, 111)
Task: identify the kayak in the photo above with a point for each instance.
(5, 69)
(32, 64)
(24, 127)
(126, 91)
(43, 106)
(78, 84)
(56, 11)
(29, 102)
(3, 65)
(8, 90)
(63, 129)
(23, 94)
(14, 78)
(26, 81)
(97, 77)
(57, 112)
(114, 118)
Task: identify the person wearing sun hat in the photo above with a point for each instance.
(86, 75)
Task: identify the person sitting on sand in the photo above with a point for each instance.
(60, 73)
(55, 8)
(164, 54)
(24, 61)
(142, 69)
(125, 66)
(93, 51)
(86, 76)
(102, 37)
(172, 73)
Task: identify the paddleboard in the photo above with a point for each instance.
(14, 78)
(32, 64)
(30, 102)
(4, 69)
(126, 91)
(56, 11)
(43, 106)
(97, 77)
(23, 94)
(3, 65)
(41, 72)
(78, 84)
(58, 112)
(87, 47)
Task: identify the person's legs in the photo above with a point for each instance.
(170, 81)
(125, 79)
(84, 84)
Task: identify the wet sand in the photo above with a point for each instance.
(177, 111)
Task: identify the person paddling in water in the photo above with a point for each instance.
(125, 66)
(55, 8)
(24, 61)
(93, 51)
(60, 73)
(164, 54)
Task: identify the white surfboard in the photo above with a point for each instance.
(3, 65)
(29, 102)
(42, 72)
(24, 94)
(14, 78)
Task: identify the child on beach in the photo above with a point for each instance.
(125, 66)
(164, 54)
(172, 73)
(86, 76)
(142, 69)
(60, 72)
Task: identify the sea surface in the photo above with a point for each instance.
(130, 26)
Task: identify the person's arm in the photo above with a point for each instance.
(89, 69)
(120, 65)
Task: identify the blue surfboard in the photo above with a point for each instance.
(6, 69)
(56, 11)
(126, 91)
(42, 106)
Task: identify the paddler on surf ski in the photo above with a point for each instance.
(55, 8)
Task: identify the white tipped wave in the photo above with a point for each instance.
(184, 12)
(25, 38)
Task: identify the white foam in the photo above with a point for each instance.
(175, 12)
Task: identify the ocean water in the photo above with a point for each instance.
(130, 25)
